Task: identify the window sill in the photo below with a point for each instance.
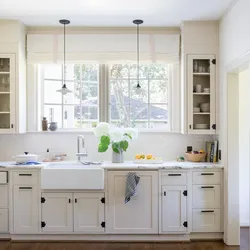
(90, 131)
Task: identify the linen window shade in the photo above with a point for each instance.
(102, 48)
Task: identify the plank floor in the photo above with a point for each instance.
(126, 246)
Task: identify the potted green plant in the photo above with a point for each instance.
(116, 138)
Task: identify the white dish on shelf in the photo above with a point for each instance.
(205, 110)
(201, 126)
(196, 110)
(151, 161)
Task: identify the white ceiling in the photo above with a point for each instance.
(112, 12)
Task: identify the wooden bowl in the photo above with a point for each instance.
(194, 157)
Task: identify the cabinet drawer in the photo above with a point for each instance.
(206, 220)
(4, 227)
(3, 196)
(206, 177)
(3, 177)
(206, 196)
(25, 178)
(173, 178)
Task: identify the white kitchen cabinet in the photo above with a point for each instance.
(206, 220)
(25, 214)
(4, 190)
(201, 94)
(4, 222)
(7, 93)
(89, 212)
(57, 212)
(140, 214)
(174, 209)
(206, 196)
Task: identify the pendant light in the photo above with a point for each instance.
(138, 22)
(64, 90)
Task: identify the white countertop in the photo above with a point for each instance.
(118, 166)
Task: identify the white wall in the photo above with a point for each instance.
(234, 49)
(244, 125)
(168, 146)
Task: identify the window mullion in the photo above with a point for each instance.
(81, 92)
(62, 96)
(129, 95)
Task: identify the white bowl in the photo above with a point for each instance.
(201, 126)
(206, 109)
(205, 105)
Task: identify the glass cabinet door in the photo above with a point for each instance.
(201, 83)
(7, 95)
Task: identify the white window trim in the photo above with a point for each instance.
(34, 118)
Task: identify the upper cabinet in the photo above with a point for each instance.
(12, 77)
(201, 94)
(7, 93)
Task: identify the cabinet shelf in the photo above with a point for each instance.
(202, 74)
(202, 113)
(4, 93)
(202, 93)
(4, 73)
(4, 112)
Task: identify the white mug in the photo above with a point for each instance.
(198, 88)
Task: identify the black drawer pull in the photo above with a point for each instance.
(207, 211)
(207, 187)
(25, 174)
(174, 174)
(25, 187)
(207, 173)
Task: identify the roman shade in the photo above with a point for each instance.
(102, 48)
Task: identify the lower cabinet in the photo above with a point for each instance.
(4, 227)
(57, 212)
(174, 209)
(25, 201)
(206, 220)
(140, 214)
(73, 212)
(89, 212)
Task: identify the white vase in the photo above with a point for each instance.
(117, 157)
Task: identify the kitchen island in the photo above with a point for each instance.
(175, 201)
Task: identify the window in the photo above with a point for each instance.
(96, 97)
(79, 109)
(143, 108)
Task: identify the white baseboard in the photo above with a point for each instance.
(5, 236)
(132, 238)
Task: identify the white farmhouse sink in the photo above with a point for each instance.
(72, 175)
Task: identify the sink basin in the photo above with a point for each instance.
(72, 175)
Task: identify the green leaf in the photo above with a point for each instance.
(105, 140)
(115, 147)
(102, 148)
(124, 145)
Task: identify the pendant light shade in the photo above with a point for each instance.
(64, 90)
(137, 22)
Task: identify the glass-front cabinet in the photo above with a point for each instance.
(201, 94)
(7, 93)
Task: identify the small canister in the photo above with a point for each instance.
(44, 124)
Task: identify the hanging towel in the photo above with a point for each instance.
(131, 184)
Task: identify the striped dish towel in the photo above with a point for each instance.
(131, 184)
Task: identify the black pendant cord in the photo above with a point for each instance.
(138, 59)
(64, 51)
(138, 22)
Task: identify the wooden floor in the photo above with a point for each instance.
(127, 246)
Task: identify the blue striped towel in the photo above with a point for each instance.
(131, 184)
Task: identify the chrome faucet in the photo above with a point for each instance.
(78, 153)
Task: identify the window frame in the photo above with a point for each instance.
(62, 104)
(35, 101)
